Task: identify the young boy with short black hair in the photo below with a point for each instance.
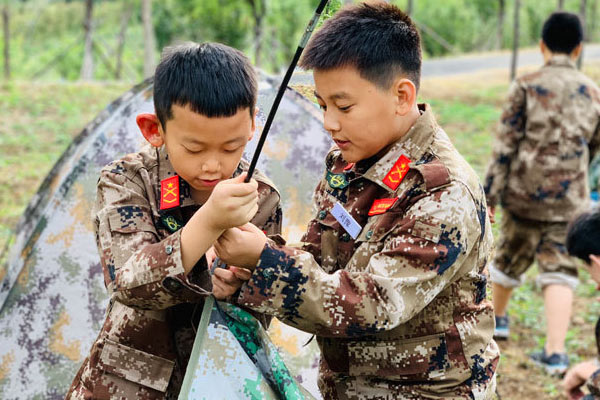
(392, 275)
(583, 241)
(547, 136)
(160, 210)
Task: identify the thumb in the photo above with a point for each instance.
(239, 179)
(249, 227)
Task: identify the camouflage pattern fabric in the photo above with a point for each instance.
(521, 242)
(400, 312)
(593, 385)
(153, 304)
(52, 295)
(233, 358)
(548, 134)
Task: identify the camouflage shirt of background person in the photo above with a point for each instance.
(145, 343)
(400, 312)
(547, 136)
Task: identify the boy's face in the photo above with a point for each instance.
(362, 118)
(204, 150)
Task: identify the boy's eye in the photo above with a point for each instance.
(345, 108)
(232, 150)
(192, 151)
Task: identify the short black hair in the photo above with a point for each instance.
(583, 235)
(562, 32)
(377, 39)
(212, 79)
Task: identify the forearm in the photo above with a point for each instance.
(197, 236)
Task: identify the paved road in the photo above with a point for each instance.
(472, 63)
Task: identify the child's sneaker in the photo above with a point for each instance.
(501, 330)
(555, 364)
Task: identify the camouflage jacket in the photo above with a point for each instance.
(547, 136)
(146, 340)
(593, 385)
(404, 304)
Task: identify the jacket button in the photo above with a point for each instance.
(322, 214)
(169, 249)
(369, 235)
(172, 284)
(267, 273)
(345, 237)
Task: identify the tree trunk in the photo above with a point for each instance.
(259, 8)
(149, 39)
(515, 51)
(6, 26)
(582, 8)
(410, 7)
(591, 26)
(500, 28)
(87, 67)
(127, 11)
(561, 4)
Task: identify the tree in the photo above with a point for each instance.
(149, 38)
(513, 62)
(87, 67)
(6, 28)
(561, 4)
(410, 7)
(125, 17)
(259, 9)
(500, 28)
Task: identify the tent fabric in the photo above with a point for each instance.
(233, 358)
(52, 295)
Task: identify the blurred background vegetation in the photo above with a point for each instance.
(45, 39)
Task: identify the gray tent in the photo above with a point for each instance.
(52, 296)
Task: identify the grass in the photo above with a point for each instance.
(39, 120)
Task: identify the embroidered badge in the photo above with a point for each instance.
(169, 193)
(381, 205)
(171, 223)
(397, 173)
(337, 181)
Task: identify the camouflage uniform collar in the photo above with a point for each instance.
(413, 145)
(561, 60)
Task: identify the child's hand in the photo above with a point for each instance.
(241, 246)
(576, 377)
(227, 281)
(210, 256)
(232, 203)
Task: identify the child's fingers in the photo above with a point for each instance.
(241, 273)
(226, 276)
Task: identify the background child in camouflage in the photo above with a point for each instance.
(583, 241)
(538, 172)
(392, 274)
(158, 211)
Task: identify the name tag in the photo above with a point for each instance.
(345, 219)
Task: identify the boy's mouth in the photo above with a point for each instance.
(209, 182)
(342, 144)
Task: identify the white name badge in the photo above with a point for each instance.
(345, 219)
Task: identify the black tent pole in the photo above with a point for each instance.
(283, 86)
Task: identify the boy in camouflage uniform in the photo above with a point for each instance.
(160, 210)
(583, 241)
(392, 274)
(538, 172)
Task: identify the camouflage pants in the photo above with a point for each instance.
(521, 242)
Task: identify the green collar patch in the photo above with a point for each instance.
(171, 223)
(337, 181)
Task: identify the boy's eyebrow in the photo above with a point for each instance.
(335, 96)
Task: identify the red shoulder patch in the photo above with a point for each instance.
(169, 193)
(397, 173)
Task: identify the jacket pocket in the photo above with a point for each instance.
(136, 366)
(129, 219)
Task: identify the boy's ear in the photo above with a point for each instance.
(253, 127)
(150, 128)
(576, 51)
(405, 93)
(595, 259)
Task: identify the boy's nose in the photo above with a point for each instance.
(330, 123)
(211, 165)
